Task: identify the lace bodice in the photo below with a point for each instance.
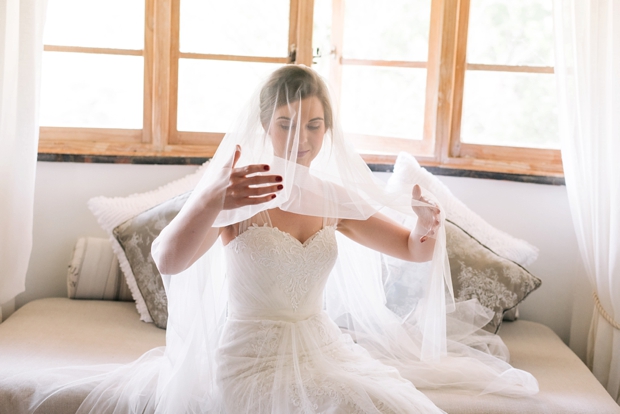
(273, 275)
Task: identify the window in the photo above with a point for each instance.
(424, 76)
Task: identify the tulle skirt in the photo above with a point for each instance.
(308, 366)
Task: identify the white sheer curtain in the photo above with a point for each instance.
(588, 69)
(21, 45)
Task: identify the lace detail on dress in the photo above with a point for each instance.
(266, 340)
(317, 394)
(296, 266)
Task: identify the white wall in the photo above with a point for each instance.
(534, 212)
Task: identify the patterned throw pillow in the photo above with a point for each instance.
(113, 211)
(478, 272)
(135, 237)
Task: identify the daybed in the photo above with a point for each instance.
(59, 332)
(486, 264)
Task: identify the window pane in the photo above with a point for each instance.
(383, 101)
(322, 36)
(87, 90)
(508, 32)
(514, 109)
(212, 93)
(235, 27)
(395, 30)
(95, 23)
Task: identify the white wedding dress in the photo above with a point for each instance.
(280, 352)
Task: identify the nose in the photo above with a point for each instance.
(303, 136)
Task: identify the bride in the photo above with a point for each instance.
(274, 273)
(283, 183)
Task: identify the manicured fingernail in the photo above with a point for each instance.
(266, 167)
(280, 187)
(278, 179)
(273, 196)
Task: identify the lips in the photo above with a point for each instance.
(302, 153)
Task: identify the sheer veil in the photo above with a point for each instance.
(437, 343)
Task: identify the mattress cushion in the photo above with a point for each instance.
(58, 332)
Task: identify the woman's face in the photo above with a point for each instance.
(307, 115)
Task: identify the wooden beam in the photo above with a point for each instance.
(93, 50)
(305, 18)
(175, 52)
(508, 68)
(161, 73)
(149, 58)
(199, 138)
(59, 134)
(125, 149)
(292, 28)
(461, 30)
(384, 63)
(236, 58)
(440, 75)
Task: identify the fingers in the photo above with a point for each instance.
(249, 185)
(250, 169)
(259, 191)
(417, 192)
(236, 156)
(432, 229)
(259, 200)
(429, 215)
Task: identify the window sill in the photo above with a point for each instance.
(374, 166)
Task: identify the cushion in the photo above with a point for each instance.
(478, 272)
(135, 236)
(113, 211)
(94, 272)
(408, 172)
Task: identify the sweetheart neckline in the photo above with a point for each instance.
(287, 234)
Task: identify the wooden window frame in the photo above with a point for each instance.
(451, 152)
(440, 146)
(159, 136)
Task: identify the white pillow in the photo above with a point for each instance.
(94, 272)
(113, 211)
(407, 171)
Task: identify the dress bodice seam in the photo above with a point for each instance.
(286, 234)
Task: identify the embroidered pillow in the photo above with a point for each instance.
(478, 272)
(113, 211)
(135, 236)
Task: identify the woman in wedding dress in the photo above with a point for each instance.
(280, 352)
(276, 213)
(274, 273)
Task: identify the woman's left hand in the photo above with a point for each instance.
(429, 216)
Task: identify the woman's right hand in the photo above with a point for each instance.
(247, 186)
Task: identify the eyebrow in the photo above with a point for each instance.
(288, 119)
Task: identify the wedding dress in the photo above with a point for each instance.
(280, 351)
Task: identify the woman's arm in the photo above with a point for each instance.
(191, 233)
(381, 233)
